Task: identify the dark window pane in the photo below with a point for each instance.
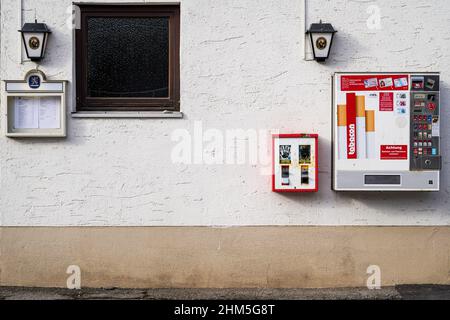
(128, 57)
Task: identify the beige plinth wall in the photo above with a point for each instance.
(277, 257)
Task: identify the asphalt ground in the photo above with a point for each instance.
(412, 292)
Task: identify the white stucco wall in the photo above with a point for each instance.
(242, 67)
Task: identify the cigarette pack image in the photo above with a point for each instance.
(342, 131)
(361, 126)
(371, 149)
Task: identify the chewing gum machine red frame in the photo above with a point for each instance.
(316, 161)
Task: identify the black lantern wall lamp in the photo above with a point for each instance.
(321, 36)
(35, 38)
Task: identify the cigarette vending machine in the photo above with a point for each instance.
(386, 132)
(295, 163)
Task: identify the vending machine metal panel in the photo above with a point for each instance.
(386, 132)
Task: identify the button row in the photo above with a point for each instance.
(423, 127)
(423, 118)
(423, 135)
(425, 151)
(423, 144)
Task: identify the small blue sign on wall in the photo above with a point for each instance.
(34, 82)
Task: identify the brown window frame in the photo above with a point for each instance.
(86, 103)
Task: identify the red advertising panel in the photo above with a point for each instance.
(394, 152)
(397, 82)
(387, 101)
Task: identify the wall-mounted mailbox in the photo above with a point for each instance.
(295, 163)
(35, 107)
(387, 132)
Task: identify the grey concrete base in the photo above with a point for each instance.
(391, 293)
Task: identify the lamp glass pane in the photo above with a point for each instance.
(34, 43)
(321, 53)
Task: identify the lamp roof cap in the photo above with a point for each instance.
(35, 27)
(321, 28)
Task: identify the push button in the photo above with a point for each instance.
(431, 106)
(305, 174)
(285, 176)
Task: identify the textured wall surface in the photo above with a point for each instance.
(242, 67)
